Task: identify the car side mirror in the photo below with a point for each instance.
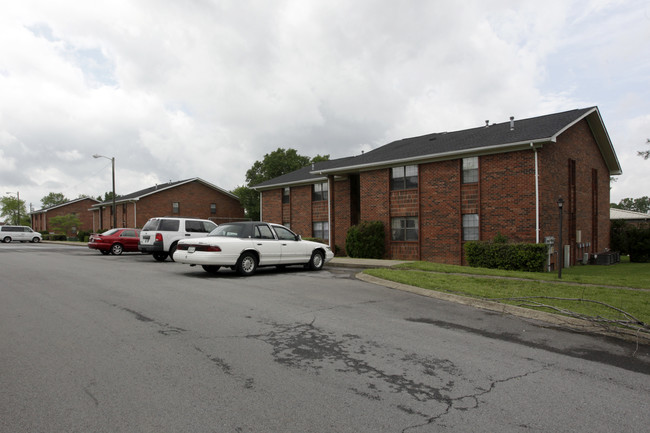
(298, 237)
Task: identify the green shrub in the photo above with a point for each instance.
(631, 240)
(511, 257)
(366, 240)
(639, 244)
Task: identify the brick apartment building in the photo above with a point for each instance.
(188, 198)
(79, 207)
(435, 192)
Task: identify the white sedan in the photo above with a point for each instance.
(244, 246)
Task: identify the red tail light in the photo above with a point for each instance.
(159, 237)
(201, 247)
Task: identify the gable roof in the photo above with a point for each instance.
(495, 138)
(69, 202)
(622, 214)
(138, 195)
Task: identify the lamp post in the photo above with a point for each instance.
(18, 205)
(113, 165)
(560, 204)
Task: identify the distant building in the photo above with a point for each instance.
(79, 207)
(437, 191)
(628, 216)
(190, 198)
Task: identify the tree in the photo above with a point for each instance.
(52, 199)
(274, 164)
(645, 153)
(634, 204)
(14, 211)
(64, 223)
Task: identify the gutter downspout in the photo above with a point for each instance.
(536, 194)
(261, 217)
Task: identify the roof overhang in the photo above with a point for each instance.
(420, 159)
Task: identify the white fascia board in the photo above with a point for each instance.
(523, 145)
(290, 184)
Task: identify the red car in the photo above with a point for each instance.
(115, 241)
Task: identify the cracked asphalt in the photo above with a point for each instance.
(124, 344)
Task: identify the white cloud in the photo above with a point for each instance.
(203, 89)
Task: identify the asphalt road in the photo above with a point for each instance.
(92, 343)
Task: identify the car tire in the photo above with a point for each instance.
(104, 252)
(117, 249)
(160, 257)
(172, 250)
(211, 269)
(6, 239)
(316, 261)
(247, 264)
(36, 240)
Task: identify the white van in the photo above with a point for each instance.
(19, 233)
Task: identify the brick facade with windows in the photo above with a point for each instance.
(523, 168)
(79, 207)
(195, 198)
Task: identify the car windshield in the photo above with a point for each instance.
(110, 232)
(229, 230)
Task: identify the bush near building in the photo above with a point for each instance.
(510, 257)
(366, 240)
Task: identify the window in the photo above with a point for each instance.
(286, 194)
(263, 231)
(176, 207)
(285, 234)
(321, 230)
(470, 169)
(404, 177)
(213, 208)
(470, 227)
(128, 234)
(319, 192)
(404, 229)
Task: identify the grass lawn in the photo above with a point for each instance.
(579, 285)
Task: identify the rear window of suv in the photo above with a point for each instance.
(193, 226)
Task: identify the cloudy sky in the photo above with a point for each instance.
(179, 89)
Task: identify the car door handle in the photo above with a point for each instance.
(187, 234)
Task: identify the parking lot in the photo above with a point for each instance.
(125, 343)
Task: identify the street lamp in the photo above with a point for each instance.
(114, 209)
(17, 207)
(560, 204)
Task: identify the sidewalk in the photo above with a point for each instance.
(349, 262)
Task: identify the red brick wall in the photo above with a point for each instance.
(194, 200)
(507, 190)
(41, 221)
(374, 188)
(272, 209)
(341, 213)
(440, 212)
(578, 144)
(301, 217)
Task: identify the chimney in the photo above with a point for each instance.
(487, 123)
(512, 123)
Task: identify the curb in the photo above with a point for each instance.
(580, 325)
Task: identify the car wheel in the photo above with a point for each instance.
(247, 264)
(316, 262)
(36, 240)
(160, 257)
(104, 252)
(211, 269)
(172, 250)
(6, 239)
(117, 249)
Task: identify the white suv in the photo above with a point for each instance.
(160, 235)
(19, 233)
